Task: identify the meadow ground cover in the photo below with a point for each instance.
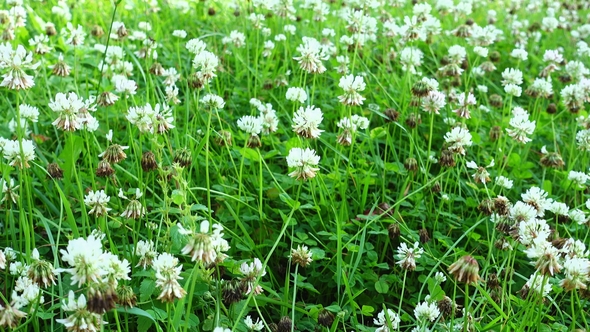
(346, 165)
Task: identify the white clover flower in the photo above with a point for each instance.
(426, 312)
(75, 36)
(213, 101)
(12, 152)
(238, 39)
(205, 245)
(251, 273)
(250, 124)
(539, 284)
(221, 329)
(207, 63)
(458, 138)
(312, 53)
(540, 88)
(98, 201)
(146, 252)
(352, 85)
(85, 256)
(481, 51)
(384, 321)
(179, 34)
(553, 56)
(290, 28)
(167, 276)
(481, 175)
(519, 54)
(511, 76)
(410, 58)
(304, 162)
(504, 182)
(170, 76)
(9, 189)
(306, 121)
(457, 53)
(559, 208)
(578, 216)
(521, 211)
(268, 47)
(531, 229)
(142, 117)
(253, 326)
(579, 178)
(29, 112)
(521, 125)
(16, 61)
(82, 319)
(431, 83)
(433, 102)
(577, 273)
(439, 277)
(30, 291)
(296, 94)
(407, 255)
(195, 46)
(464, 100)
(124, 85)
(537, 198)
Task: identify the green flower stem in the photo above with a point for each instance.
(294, 297)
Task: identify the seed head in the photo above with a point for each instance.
(447, 158)
(552, 160)
(50, 29)
(104, 169)
(125, 296)
(494, 56)
(496, 100)
(97, 31)
(420, 89)
(301, 256)
(463, 31)
(393, 230)
(325, 318)
(413, 120)
(183, 157)
(254, 141)
(223, 138)
(157, 69)
(101, 297)
(486, 207)
(501, 205)
(436, 188)
(114, 153)
(284, 324)
(55, 172)
(392, 115)
(41, 272)
(446, 307)
(493, 282)
(495, 133)
(106, 98)
(148, 161)
(411, 164)
(233, 291)
(465, 270)
(565, 78)
(424, 236)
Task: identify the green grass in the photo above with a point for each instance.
(398, 181)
